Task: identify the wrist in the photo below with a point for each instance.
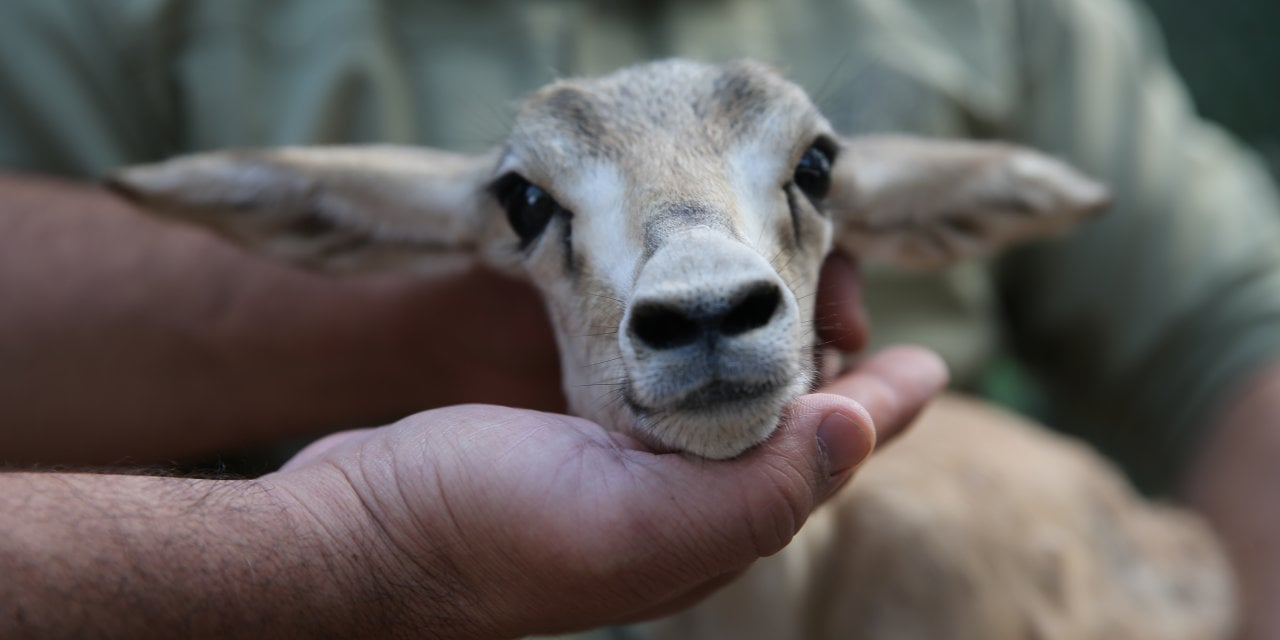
(415, 585)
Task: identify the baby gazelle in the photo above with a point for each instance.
(674, 215)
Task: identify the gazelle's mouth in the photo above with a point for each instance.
(709, 341)
(710, 397)
(722, 412)
(720, 392)
(719, 419)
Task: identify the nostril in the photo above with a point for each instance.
(752, 310)
(664, 327)
(668, 325)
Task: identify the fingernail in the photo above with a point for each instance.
(842, 441)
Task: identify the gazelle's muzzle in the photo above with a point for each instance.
(711, 344)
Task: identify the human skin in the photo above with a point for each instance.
(124, 338)
(1234, 485)
(474, 521)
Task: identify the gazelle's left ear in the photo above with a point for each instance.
(926, 203)
(338, 209)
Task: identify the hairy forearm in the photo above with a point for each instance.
(1234, 484)
(127, 338)
(132, 557)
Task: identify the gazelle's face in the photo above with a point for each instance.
(673, 222)
(674, 215)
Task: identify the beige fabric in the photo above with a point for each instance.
(1141, 322)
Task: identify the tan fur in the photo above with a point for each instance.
(675, 180)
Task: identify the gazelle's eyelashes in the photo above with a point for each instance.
(813, 171)
(529, 208)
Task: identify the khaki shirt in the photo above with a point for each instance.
(1140, 325)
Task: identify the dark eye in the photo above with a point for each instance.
(813, 172)
(529, 208)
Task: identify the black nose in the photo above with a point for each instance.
(665, 325)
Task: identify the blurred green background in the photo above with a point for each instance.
(1229, 53)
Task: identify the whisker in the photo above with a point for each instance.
(790, 258)
(614, 359)
(777, 255)
(824, 92)
(619, 302)
(610, 401)
(619, 379)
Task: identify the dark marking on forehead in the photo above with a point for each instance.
(582, 113)
(742, 97)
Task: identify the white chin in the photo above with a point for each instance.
(719, 432)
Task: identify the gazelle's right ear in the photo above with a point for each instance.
(338, 209)
(920, 202)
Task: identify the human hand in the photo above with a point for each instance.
(483, 521)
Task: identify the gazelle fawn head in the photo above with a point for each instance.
(674, 216)
(662, 213)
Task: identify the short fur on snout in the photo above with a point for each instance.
(673, 185)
